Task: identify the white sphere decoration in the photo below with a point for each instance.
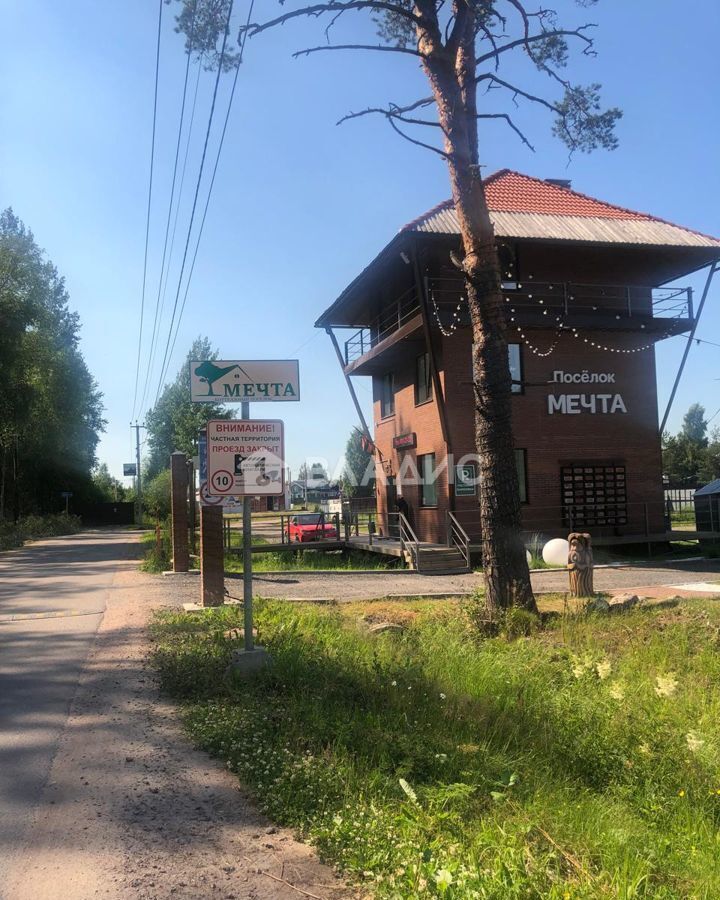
(555, 552)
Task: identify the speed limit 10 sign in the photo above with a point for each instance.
(245, 456)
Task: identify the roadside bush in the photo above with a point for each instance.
(14, 534)
(156, 495)
(158, 553)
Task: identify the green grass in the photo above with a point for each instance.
(157, 557)
(160, 559)
(579, 761)
(312, 561)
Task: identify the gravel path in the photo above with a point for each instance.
(130, 811)
(341, 586)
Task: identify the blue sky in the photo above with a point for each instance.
(300, 205)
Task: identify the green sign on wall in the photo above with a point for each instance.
(465, 478)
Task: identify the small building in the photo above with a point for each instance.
(589, 290)
(707, 507)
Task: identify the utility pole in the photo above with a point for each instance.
(138, 478)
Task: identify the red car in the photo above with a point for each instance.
(310, 527)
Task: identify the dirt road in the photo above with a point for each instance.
(120, 805)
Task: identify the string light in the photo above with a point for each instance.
(452, 328)
(560, 328)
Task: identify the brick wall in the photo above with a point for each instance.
(630, 439)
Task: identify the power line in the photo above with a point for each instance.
(165, 361)
(703, 341)
(149, 203)
(175, 224)
(212, 180)
(170, 208)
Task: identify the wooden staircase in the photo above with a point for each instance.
(441, 561)
(436, 559)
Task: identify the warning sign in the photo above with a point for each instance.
(245, 456)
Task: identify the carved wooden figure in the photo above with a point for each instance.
(580, 565)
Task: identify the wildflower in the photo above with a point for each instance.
(443, 879)
(409, 792)
(603, 669)
(681, 793)
(393, 683)
(443, 697)
(617, 691)
(694, 741)
(665, 685)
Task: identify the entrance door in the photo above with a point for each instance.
(393, 529)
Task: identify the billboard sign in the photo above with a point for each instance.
(250, 381)
(129, 469)
(245, 457)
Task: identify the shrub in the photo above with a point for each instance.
(14, 534)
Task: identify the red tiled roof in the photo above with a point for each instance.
(523, 206)
(509, 191)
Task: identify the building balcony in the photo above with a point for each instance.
(660, 312)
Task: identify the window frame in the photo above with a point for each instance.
(517, 388)
(428, 379)
(522, 475)
(421, 468)
(388, 377)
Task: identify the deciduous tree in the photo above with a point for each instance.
(50, 406)
(174, 422)
(358, 478)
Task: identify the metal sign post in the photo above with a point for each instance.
(245, 458)
(247, 559)
(242, 458)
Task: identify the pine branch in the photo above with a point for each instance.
(534, 38)
(381, 47)
(334, 6)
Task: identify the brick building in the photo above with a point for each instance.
(589, 289)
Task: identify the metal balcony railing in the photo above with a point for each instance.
(390, 320)
(560, 301)
(540, 302)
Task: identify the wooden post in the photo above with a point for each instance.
(179, 507)
(580, 565)
(212, 556)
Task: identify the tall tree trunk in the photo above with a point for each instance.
(451, 73)
(3, 467)
(16, 482)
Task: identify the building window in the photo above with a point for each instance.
(428, 484)
(593, 495)
(515, 361)
(515, 365)
(423, 379)
(521, 464)
(387, 395)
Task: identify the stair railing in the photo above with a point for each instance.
(457, 537)
(408, 540)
